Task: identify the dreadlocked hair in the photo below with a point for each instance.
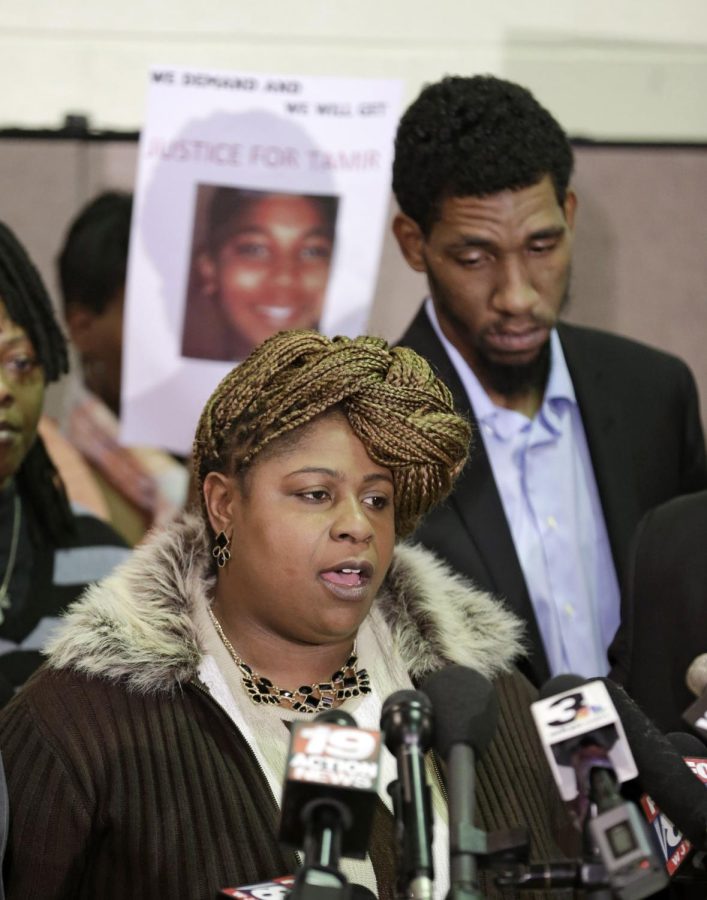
(39, 484)
(394, 403)
(28, 305)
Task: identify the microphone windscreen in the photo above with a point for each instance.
(559, 684)
(688, 744)
(465, 707)
(696, 675)
(407, 715)
(662, 772)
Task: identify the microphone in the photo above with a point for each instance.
(696, 679)
(277, 889)
(663, 773)
(329, 798)
(586, 746)
(572, 714)
(406, 722)
(466, 715)
(675, 848)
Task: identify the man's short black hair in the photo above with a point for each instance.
(93, 260)
(472, 137)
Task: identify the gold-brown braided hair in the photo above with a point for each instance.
(394, 403)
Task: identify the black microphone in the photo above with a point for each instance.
(466, 715)
(662, 772)
(682, 861)
(696, 679)
(583, 735)
(329, 799)
(406, 722)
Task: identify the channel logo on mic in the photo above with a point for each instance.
(336, 764)
(335, 754)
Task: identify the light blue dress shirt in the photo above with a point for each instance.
(544, 475)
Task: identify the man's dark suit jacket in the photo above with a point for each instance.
(641, 416)
(664, 609)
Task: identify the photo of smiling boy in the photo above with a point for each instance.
(260, 264)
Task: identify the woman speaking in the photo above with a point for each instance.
(146, 758)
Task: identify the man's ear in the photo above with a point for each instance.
(410, 240)
(219, 494)
(80, 321)
(570, 208)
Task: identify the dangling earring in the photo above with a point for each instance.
(220, 550)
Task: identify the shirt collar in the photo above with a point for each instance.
(559, 391)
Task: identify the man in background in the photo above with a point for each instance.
(142, 486)
(578, 432)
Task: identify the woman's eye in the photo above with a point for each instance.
(378, 501)
(317, 496)
(21, 365)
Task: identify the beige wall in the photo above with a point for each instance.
(640, 264)
(606, 68)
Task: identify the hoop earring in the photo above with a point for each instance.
(221, 549)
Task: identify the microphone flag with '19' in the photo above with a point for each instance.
(466, 715)
(696, 714)
(406, 722)
(331, 769)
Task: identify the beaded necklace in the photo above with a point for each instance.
(348, 681)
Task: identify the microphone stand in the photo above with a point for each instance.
(320, 877)
(466, 841)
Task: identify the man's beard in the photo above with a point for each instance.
(515, 381)
(503, 379)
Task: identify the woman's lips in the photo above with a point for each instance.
(349, 581)
(8, 432)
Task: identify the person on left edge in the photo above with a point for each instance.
(48, 552)
(146, 759)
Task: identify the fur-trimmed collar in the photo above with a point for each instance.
(138, 624)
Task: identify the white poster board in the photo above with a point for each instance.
(260, 205)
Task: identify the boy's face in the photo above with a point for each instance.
(271, 272)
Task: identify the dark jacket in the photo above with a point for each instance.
(47, 579)
(664, 609)
(127, 779)
(641, 416)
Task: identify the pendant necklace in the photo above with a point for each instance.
(14, 541)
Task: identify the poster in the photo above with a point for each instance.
(260, 205)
